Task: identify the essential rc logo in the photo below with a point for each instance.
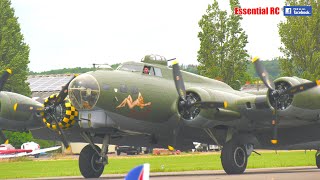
(257, 11)
(297, 10)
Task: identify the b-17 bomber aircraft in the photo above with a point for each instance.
(149, 104)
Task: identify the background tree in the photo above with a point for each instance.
(76, 70)
(300, 37)
(192, 68)
(16, 139)
(14, 52)
(222, 41)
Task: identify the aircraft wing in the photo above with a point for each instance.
(24, 153)
(43, 150)
(4, 156)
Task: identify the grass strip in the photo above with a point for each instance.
(170, 163)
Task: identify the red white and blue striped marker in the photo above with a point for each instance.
(141, 172)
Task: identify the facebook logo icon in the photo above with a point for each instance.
(287, 10)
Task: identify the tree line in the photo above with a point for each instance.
(271, 65)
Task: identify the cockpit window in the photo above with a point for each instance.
(154, 71)
(131, 67)
(157, 72)
(151, 71)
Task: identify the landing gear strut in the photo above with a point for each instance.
(92, 159)
(234, 157)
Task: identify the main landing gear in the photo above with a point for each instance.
(92, 159)
(234, 154)
(234, 157)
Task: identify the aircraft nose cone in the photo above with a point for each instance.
(84, 92)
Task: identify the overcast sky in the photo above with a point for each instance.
(77, 33)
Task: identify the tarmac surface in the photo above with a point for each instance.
(291, 173)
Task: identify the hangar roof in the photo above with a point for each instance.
(44, 83)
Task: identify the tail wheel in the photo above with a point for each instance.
(64, 112)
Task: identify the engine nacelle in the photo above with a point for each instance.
(206, 118)
(298, 100)
(65, 113)
(304, 105)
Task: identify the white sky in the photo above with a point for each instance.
(77, 33)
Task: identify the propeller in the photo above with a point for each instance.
(178, 81)
(263, 74)
(61, 133)
(276, 94)
(63, 92)
(191, 102)
(49, 111)
(4, 78)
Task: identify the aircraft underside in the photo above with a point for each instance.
(241, 145)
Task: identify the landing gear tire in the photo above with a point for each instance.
(234, 158)
(318, 159)
(88, 165)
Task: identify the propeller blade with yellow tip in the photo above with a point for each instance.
(178, 80)
(262, 73)
(264, 76)
(61, 134)
(4, 78)
(63, 92)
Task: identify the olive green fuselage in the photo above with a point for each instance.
(158, 111)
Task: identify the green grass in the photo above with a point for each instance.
(188, 162)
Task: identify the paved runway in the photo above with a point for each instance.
(305, 173)
(292, 173)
